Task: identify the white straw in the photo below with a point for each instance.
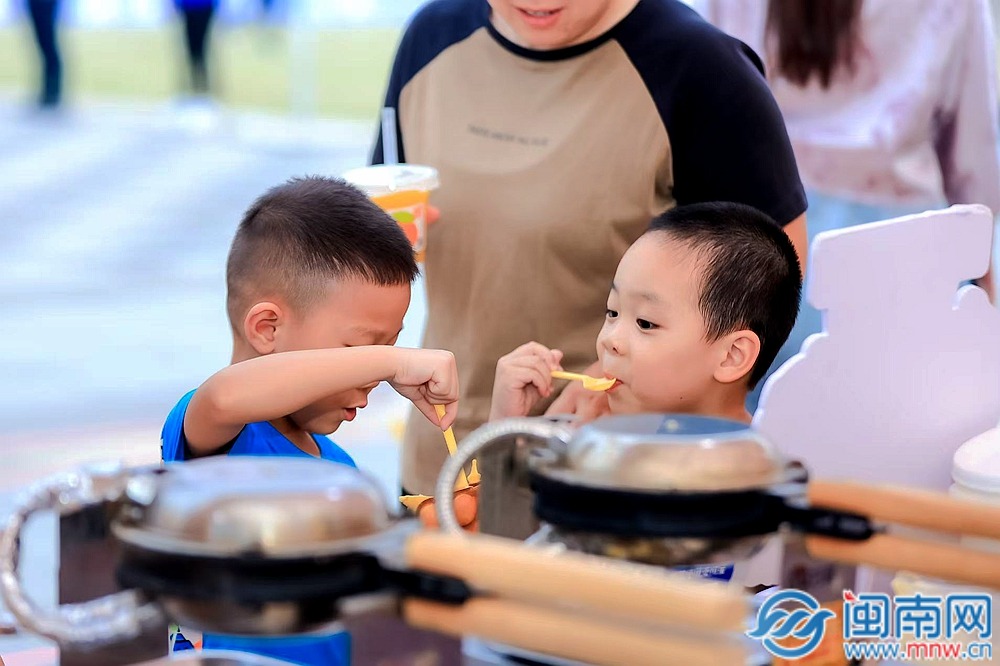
(390, 153)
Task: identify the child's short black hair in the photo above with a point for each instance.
(300, 235)
(751, 277)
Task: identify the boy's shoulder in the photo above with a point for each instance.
(173, 447)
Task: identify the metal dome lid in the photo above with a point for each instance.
(666, 453)
(238, 506)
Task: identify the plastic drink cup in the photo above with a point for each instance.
(402, 191)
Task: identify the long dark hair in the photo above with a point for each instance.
(813, 37)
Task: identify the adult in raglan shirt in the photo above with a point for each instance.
(560, 128)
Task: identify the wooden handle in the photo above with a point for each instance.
(563, 635)
(948, 562)
(509, 568)
(909, 506)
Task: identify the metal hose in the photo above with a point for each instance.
(471, 446)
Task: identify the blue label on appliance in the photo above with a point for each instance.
(723, 572)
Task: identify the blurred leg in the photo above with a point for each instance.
(197, 23)
(43, 24)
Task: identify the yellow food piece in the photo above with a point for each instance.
(413, 502)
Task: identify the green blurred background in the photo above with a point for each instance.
(339, 73)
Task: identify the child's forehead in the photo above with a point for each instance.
(340, 286)
(362, 304)
(659, 269)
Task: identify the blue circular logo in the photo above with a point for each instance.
(800, 616)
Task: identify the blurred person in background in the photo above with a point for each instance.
(197, 16)
(43, 15)
(891, 107)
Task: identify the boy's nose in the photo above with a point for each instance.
(611, 341)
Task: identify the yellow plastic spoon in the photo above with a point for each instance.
(449, 439)
(589, 383)
(413, 502)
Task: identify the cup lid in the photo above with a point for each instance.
(388, 178)
(976, 463)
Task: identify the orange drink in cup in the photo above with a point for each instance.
(402, 191)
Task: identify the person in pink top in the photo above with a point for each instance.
(890, 105)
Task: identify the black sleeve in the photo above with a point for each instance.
(397, 78)
(727, 137)
(436, 26)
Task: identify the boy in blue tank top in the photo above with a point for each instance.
(318, 281)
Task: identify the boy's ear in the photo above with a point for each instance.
(260, 326)
(739, 351)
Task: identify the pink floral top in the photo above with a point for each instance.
(917, 122)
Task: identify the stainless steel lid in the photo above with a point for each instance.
(657, 453)
(233, 506)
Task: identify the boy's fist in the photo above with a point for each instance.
(428, 377)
